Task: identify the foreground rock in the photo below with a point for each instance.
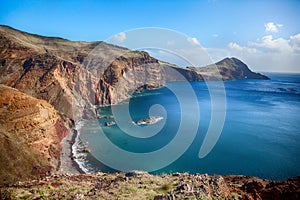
(30, 135)
(141, 185)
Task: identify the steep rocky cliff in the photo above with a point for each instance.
(75, 75)
(42, 67)
(135, 71)
(31, 131)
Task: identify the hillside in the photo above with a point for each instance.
(30, 135)
(77, 75)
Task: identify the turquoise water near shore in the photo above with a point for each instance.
(260, 137)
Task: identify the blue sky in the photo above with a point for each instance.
(264, 34)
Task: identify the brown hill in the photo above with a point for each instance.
(30, 135)
(228, 69)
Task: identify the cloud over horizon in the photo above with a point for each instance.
(268, 43)
(266, 54)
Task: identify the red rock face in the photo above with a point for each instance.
(61, 130)
(35, 127)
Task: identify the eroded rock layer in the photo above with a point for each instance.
(31, 131)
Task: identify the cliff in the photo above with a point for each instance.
(137, 71)
(31, 131)
(76, 75)
(43, 67)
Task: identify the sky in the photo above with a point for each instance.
(264, 34)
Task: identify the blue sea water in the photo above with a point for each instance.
(260, 137)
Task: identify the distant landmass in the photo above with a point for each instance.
(229, 69)
(44, 78)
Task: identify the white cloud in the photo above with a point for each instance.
(265, 54)
(215, 35)
(268, 43)
(120, 37)
(235, 47)
(295, 42)
(193, 41)
(272, 27)
(295, 39)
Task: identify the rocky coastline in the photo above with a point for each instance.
(67, 164)
(40, 78)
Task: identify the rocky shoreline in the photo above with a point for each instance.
(67, 164)
(47, 68)
(72, 183)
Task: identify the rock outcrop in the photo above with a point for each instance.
(30, 135)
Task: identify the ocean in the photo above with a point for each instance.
(260, 136)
